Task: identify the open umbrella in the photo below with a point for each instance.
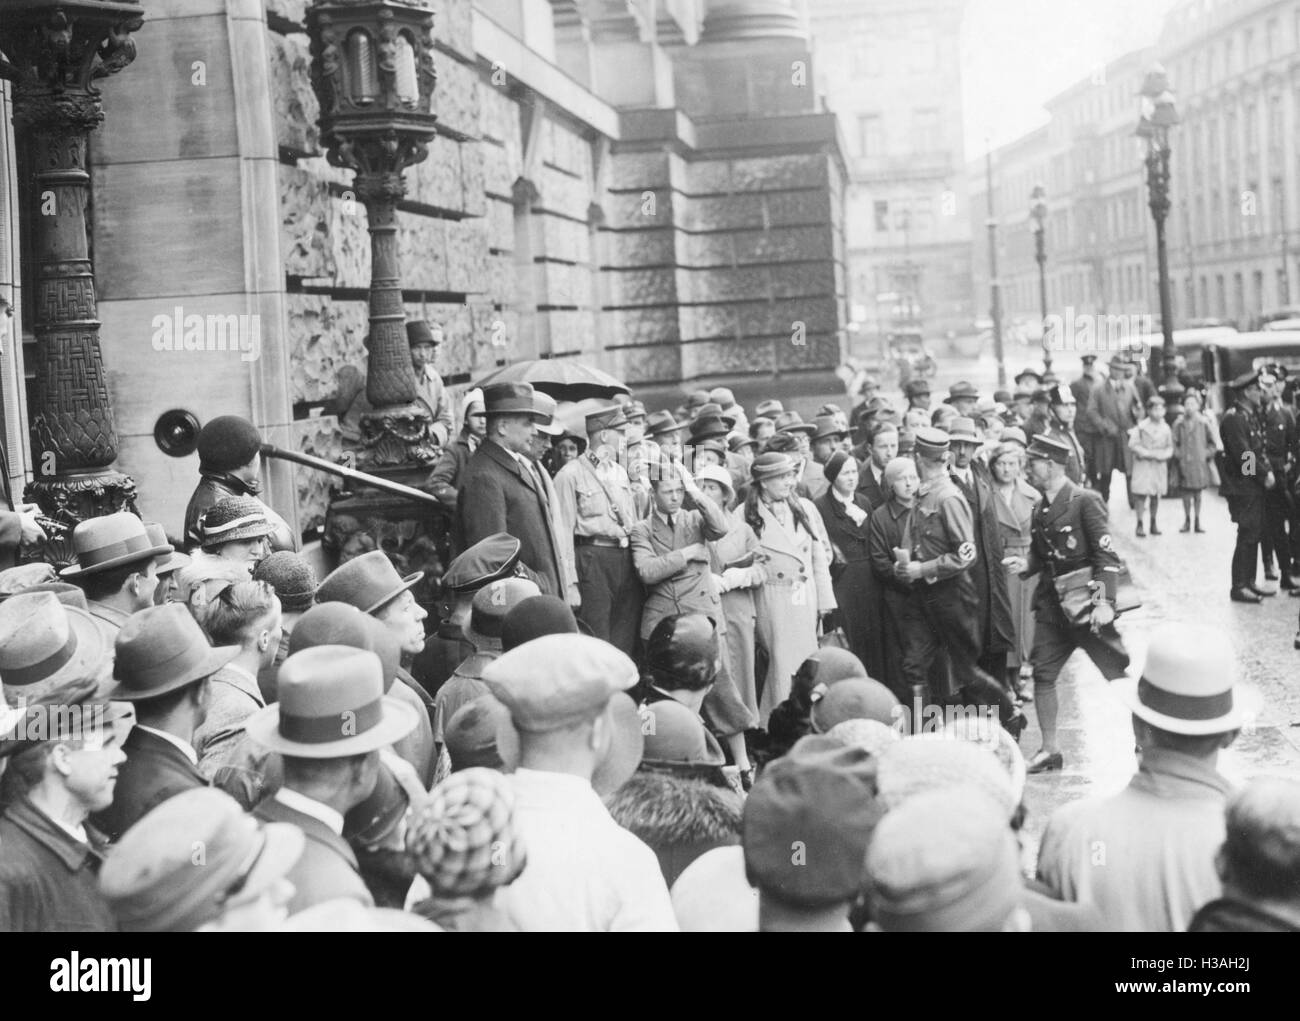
(565, 381)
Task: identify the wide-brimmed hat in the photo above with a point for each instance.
(717, 446)
(962, 391)
(232, 519)
(1188, 684)
(546, 406)
(344, 624)
(792, 422)
(660, 423)
(509, 399)
(720, 475)
(45, 645)
(154, 883)
(114, 540)
(482, 629)
(770, 464)
(368, 582)
(825, 427)
(916, 388)
(161, 649)
(169, 562)
(331, 705)
(963, 430)
(709, 427)
(769, 408)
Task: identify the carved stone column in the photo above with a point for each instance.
(54, 53)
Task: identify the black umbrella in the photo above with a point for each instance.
(563, 380)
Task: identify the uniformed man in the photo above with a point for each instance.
(1070, 533)
(1060, 426)
(1279, 426)
(944, 618)
(597, 512)
(1081, 388)
(1247, 477)
(424, 339)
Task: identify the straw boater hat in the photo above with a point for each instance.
(1188, 684)
(114, 540)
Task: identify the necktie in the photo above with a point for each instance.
(670, 523)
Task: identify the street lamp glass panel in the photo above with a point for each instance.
(363, 76)
(408, 91)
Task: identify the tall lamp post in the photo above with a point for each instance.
(995, 303)
(1157, 117)
(1038, 213)
(372, 70)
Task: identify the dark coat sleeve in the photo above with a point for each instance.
(11, 536)
(481, 503)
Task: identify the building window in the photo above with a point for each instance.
(871, 138)
(1239, 296)
(1205, 296)
(882, 215)
(1258, 282)
(1221, 296)
(925, 131)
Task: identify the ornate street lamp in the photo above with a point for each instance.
(1038, 213)
(1157, 117)
(372, 70)
(54, 51)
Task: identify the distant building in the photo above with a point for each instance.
(891, 70)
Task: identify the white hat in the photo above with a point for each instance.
(720, 475)
(1188, 684)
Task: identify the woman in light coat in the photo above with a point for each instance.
(1015, 501)
(797, 592)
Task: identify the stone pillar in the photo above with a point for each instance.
(731, 20)
(55, 54)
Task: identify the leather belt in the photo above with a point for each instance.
(599, 540)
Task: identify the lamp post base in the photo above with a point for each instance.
(68, 500)
(397, 437)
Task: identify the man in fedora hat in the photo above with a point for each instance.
(444, 480)
(1113, 409)
(116, 567)
(46, 645)
(1159, 836)
(498, 492)
(64, 752)
(166, 566)
(917, 392)
(371, 584)
(162, 667)
(424, 339)
(549, 429)
(1070, 532)
(597, 511)
(666, 431)
(963, 397)
(230, 464)
(328, 727)
(829, 437)
(566, 696)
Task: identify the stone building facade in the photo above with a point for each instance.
(653, 188)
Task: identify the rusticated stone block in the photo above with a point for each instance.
(561, 148)
(705, 249)
(782, 318)
(701, 322)
(782, 244)
(305, 217)
(722, 212)
(708, 177)
(349, 241)
(319, 437)
(456, 355)
(649, 208)
(503, 283)
(498, 117)
(563, 285)
(473, 190)
(773, 172)
(436, 181)
(641, 247)
(572, 331)
(456, 100)
(803, 280)
(565, 239)
(643, 287)
(638, 170)
(727, 358)
(642, 326)
(799, 207)
(496, 337)
(467, 249)
(324, 336)
(498, 175)
(294, 102)
(819, 350)
(453, 26)
(655, 363)
(726, 284)
(423, 252)
(500, 221)
(561, 192)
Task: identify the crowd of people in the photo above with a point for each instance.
(691, 669)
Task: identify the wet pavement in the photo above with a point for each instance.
(1182, 577)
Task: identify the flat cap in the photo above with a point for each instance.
(487, 560)
(558, 680)
(808, 821)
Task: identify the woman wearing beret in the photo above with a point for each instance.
(846, 514)
(797, 593)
